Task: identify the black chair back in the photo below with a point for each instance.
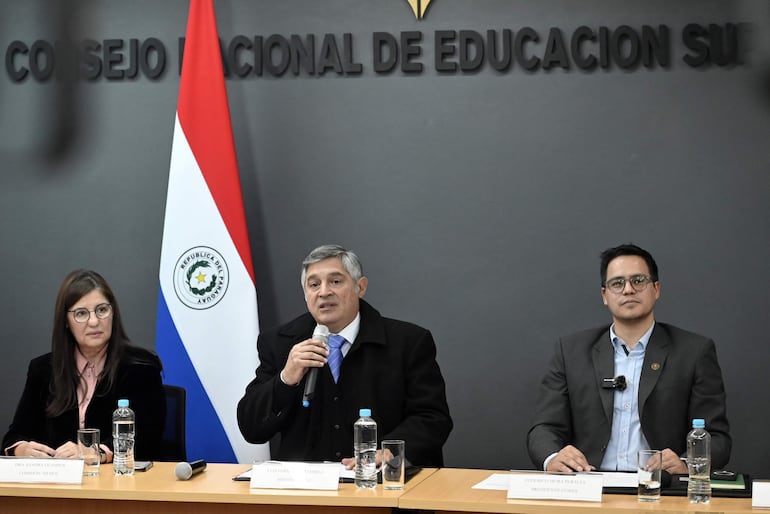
(174, 434)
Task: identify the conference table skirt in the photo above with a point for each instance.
(214, 491)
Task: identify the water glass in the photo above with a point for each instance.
(393, 464)
(88, 450)
(648, 470)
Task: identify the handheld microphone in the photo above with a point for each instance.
(186, 470)
(321, 333)
(618, 383)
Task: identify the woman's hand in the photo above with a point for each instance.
(33, 449)
(68, 450)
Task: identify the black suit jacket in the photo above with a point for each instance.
(680, 380)
(138, 380)
(390, 368)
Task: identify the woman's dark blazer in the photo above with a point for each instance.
(138, 379)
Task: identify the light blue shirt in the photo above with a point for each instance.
(626, 438)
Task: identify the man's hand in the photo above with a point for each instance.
(569, 459)
(350, 462)
(310, 353)
(672, 463)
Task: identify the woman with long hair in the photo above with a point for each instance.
(91, 365)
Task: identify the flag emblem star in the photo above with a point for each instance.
(201, 277)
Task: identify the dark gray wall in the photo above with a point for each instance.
(478, 203)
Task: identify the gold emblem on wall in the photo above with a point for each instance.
(419, 7)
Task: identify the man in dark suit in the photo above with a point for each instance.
(388, 366)
(635, 384)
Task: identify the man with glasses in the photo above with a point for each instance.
(635, 384)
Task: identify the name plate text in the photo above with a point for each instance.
(39, 471)
(295, 475)
(556, 486)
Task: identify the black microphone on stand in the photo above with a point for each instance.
(321, 333)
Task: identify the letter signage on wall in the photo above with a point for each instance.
(525, 49)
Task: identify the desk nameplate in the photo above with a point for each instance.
(295, 475)
(760, 494)
(556, 486)
(41, 471)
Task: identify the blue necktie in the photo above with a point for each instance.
(335, 355)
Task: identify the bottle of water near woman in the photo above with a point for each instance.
(365, 450)
(699, 463)
(123, 433)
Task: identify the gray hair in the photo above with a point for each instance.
(349, 261)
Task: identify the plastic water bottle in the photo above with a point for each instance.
(365, 449)
(123, 433)
(699, 463)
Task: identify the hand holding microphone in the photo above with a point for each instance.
(321, 333)
(186, 470)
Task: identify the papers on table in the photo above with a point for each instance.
(495, 482)
(501, 481)
(620, 479)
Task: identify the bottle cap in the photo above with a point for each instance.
(698, 423)
(122, 402)
(365, 412)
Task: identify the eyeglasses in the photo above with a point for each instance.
(101, 311)
(638, 282)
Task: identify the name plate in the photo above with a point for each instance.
(295, 475)
(760, 493)
(556, 486)
(39, 471)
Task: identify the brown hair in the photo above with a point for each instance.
(65, 379)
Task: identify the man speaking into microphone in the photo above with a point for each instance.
(633, 385)
(318, 370)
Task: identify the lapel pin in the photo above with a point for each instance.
(655, 366)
